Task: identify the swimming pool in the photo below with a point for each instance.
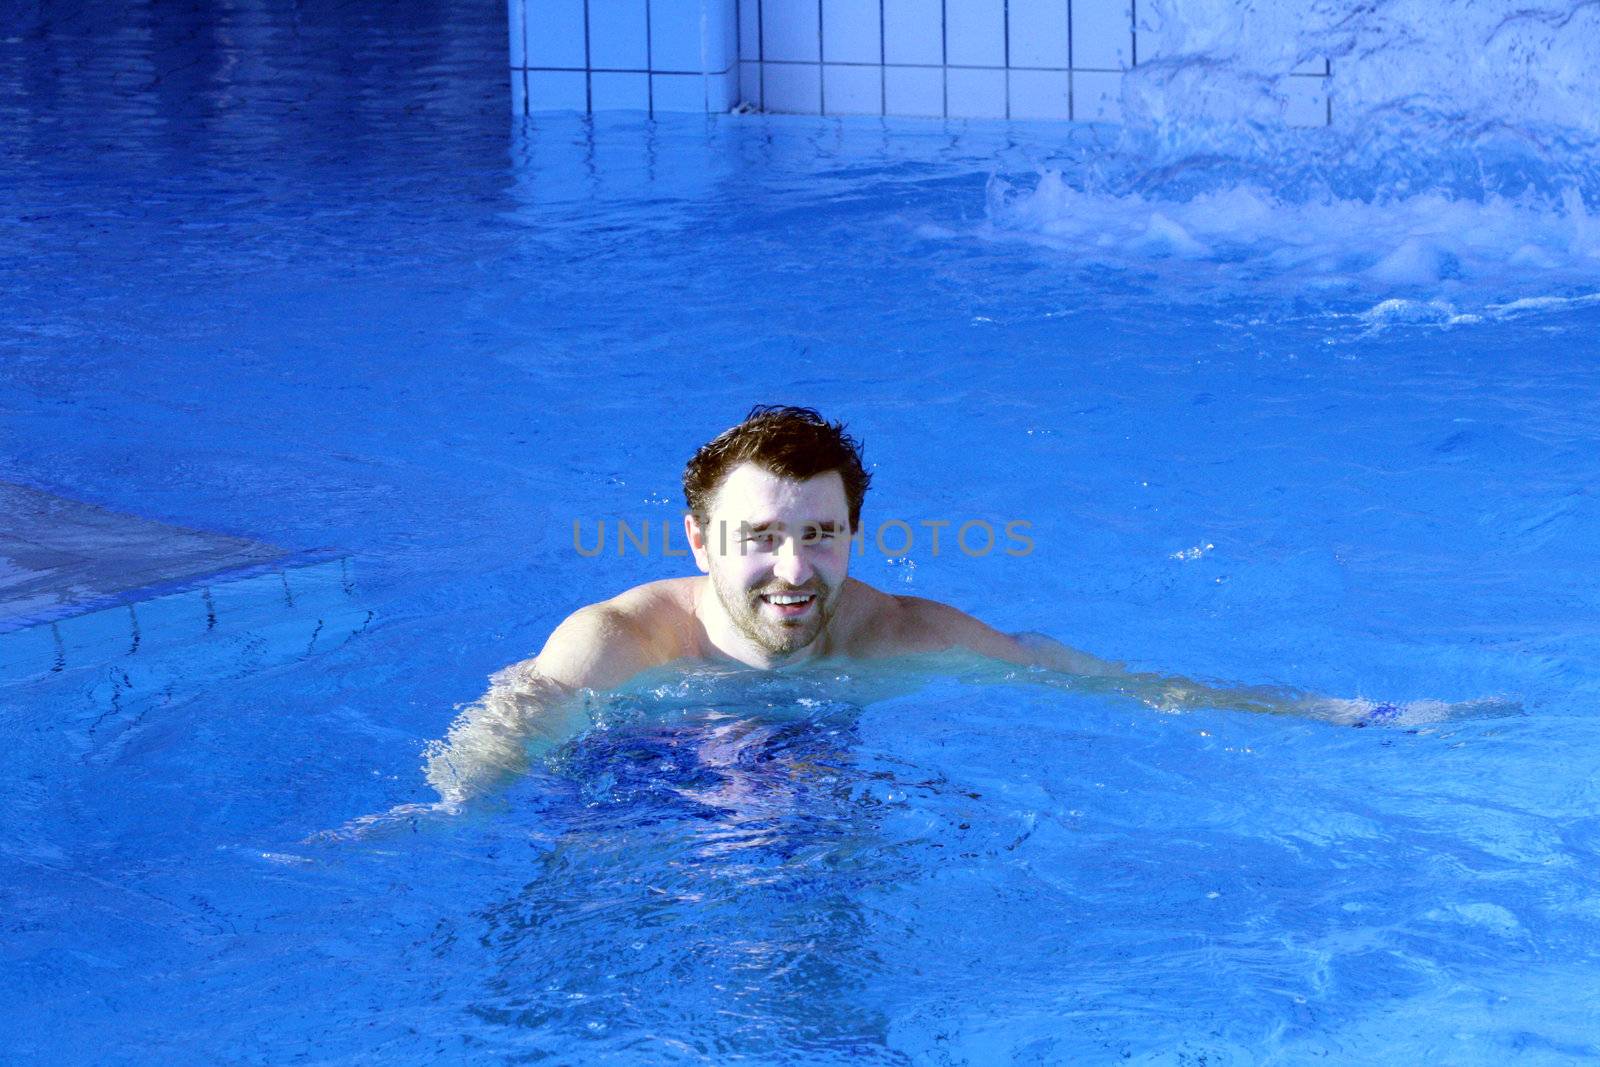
(288, 275)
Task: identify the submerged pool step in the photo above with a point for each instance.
(148, 607)
(229, 623)
(61, 557)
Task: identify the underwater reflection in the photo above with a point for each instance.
(707, 866)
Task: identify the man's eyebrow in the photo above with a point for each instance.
(826, 525)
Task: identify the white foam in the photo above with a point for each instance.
(1429, 256)
(1460, 168)
(1543, 303)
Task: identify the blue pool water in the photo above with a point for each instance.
(1301, 408)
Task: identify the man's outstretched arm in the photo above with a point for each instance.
(534, 706)
(943, 626)
(928, 625)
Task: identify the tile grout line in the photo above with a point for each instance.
(944, 58)
(1133, 29)
(588, 65)
(1005, 36)
(634, 70)
(883, 65)
(1072, 80)
(809, 63)
(822, 79)
(896, 66)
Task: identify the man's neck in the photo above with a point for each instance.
(721, 636)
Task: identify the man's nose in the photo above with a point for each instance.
(791, 565)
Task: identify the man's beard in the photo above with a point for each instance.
(772, 635)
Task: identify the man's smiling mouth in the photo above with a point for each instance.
(789, 604)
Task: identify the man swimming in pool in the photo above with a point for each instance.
(772, 506)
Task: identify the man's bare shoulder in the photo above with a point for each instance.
(887, 624)
(933, 626)
(653, 601)
(602, 645)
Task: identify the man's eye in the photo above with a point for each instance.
(820, 535)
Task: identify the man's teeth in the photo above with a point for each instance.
(786, 598)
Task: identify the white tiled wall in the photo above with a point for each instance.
(1019, 59)
(639, 55)
(1016, 59)
(1102, 37)
(1037, 33)
(913, 32)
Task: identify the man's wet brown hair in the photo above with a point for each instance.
(790, 442)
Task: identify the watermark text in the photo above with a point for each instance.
(975, 538)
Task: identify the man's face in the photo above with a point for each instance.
(777, 551)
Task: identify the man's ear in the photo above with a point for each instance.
(697, 542)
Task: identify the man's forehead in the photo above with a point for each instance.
(749, 487)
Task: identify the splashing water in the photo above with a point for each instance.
(1523, 68)
(1460, 175)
